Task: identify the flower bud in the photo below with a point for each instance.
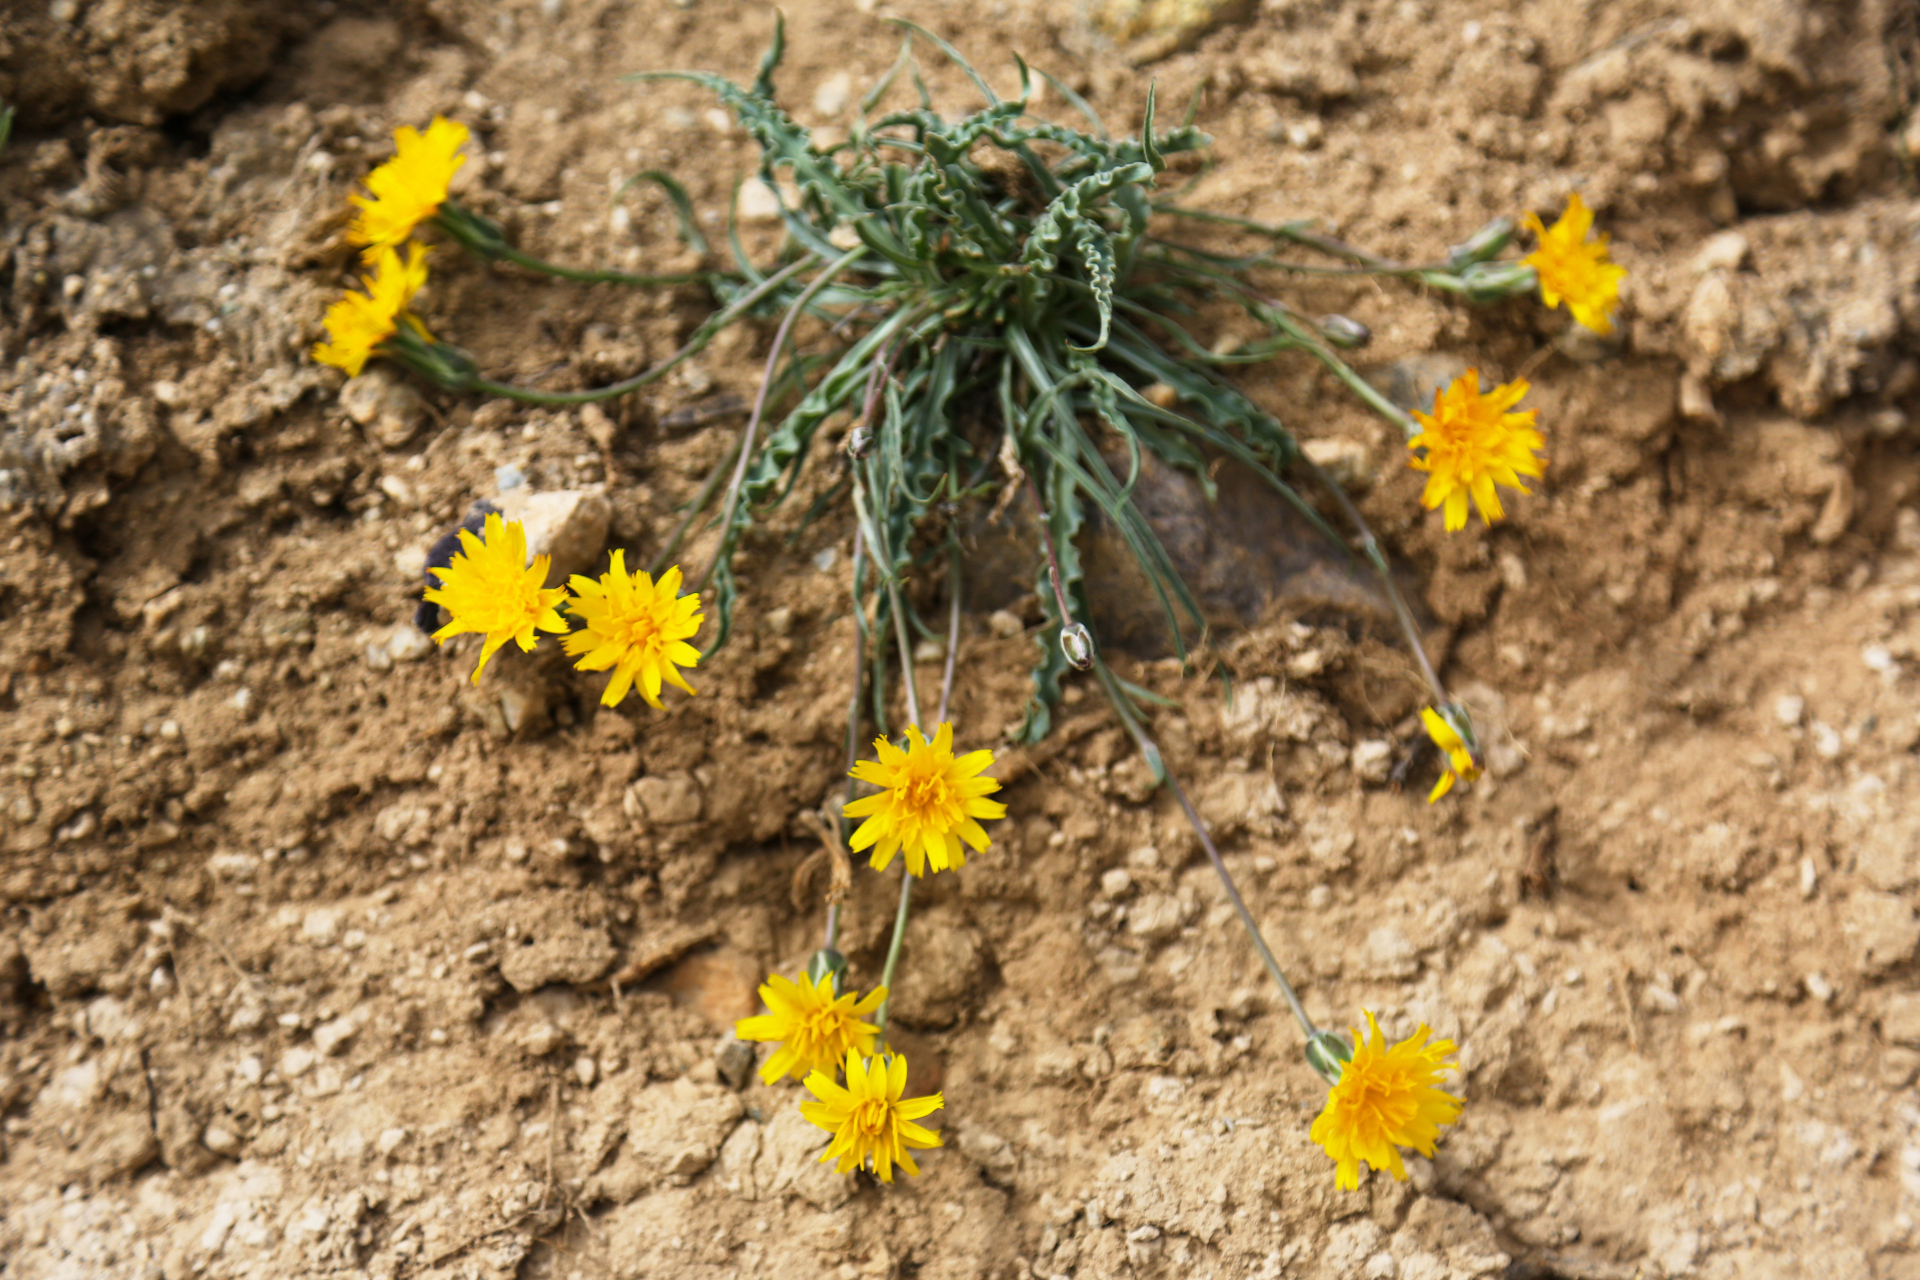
(1345, 332)
(859, 443)
(1497, 281)
(1482, 245)
(476, 233)
(1076, 642)
(825, 961)
(1328, 1054)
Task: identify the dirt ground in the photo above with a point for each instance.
(316, 961)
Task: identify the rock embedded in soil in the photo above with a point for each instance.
(388, 407)
(553, 945)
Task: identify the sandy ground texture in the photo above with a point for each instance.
(317, 961)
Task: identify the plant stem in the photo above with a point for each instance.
(1370, 547)
(760, 401)
(853, 707)
(1151, 750)
(953, 628)
(700, 502)
(894, 947)
(897, 608)
(1062, 607)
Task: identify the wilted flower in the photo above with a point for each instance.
(1461, 764)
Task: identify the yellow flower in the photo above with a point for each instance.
(411, 187)
(490, 588)
(869, 1118)
(636, 626)
(927, 804)
(1472, 443)
(816, 1029)
(1461, 764)
(1572, 267)
(1385, 1099)
(359, 322)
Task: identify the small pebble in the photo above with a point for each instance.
(1788, 708)
(1818, 987)
(222, 1142)
(1004, 625)
(542, 1038)
(331, 1037)
(586, 1071)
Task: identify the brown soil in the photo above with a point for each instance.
(306, 951)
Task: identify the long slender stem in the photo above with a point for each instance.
(897, 608)
(760, 400)
(894, 947)
(701, 337)
(953, 629)
(853, 705)
(1064, 607)
(1370, 547)
(1151, 750)
(700, 501)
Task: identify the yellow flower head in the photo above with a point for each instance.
(1461, 764)
(359, 322)
(869, 1118)
(816, 1029)
(411, 187)
(490, 588)
(928, 802)
(637, 626)
(1386, 1099)
(1572, 267)
(1473, 443)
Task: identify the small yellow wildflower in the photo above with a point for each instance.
(869, 1118)
(1461, 766)
(411, 187)
(1472, 443)
(1386, 1099)
(927, 804)
(359, 322)
(816, 1029)
(636, 626)
(1572, 267)
(490, 588)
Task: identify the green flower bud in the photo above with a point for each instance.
(825, 961)
(1345, 332)
(478, 234)
(1328, 1054)
(1076, 642)
(1498, 281)
(1483, 245)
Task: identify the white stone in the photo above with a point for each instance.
(321, 925)
(331, 1037)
